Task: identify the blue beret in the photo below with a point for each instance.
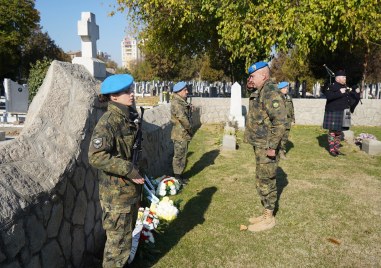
(179, 86)
(116, 83)
(256, 66)
(282, 84)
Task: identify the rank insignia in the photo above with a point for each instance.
(97, 143)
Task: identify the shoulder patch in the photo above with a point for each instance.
(275, 103)
(97, 143)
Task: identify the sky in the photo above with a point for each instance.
(59, 18)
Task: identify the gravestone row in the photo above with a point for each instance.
(195, 88)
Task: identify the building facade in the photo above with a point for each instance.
(130, 51)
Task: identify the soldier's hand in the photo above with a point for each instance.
(138, 181)
(342, 90)
(271, 153)
(135, 176)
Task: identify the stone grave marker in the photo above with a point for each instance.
(16, 100)
(229, 140)
(235, 114)
(88, 30)
(372, 147)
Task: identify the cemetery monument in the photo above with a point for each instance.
(88, 30)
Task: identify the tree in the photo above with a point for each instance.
(374, 64)
(37, 75)
(208, 73)
(174, 29)
(142, 71)
(18, 19)
(107, 60)
(251, 30)
(250, 27)
(39, 46)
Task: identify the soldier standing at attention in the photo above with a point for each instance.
(111, 152)
(181, 129)
(265, 126)
(283, 86)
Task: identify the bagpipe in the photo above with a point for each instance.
(353, 93)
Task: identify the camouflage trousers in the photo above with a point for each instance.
(284, 140)
(118, 219)
(266, 177)
(180, 150)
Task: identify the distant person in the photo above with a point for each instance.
(110, 151)
(284, 88)
(265, 126)
(341, 101)
(181, 129)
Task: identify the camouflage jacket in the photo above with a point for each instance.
(266, 118)
(290, 110)
(112, 141)
(180, 114)
(110, 151)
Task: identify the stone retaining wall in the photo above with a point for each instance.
(307, 111)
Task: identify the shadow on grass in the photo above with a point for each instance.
(323, 141)
(289, 146)
(206, 160)
(189, 154)
(191, 216)
(281, 183)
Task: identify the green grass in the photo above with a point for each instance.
(329, 208)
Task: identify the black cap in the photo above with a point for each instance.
(340, 73)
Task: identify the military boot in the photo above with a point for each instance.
(254, 220)
(267, 223)
(180, 179)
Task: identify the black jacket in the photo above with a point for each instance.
(337, 101)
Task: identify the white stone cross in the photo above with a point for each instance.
(88, 30)
(89, 33)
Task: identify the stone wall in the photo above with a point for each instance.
(307, 111)
(50, 215)
(50, 211)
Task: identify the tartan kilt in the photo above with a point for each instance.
(333, 120)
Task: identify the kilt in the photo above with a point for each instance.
(333, 120)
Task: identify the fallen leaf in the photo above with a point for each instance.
(242, 227)
(334, 241)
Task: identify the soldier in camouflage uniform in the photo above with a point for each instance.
(265, 126)
(110, 151)
(283, 87)
(181, 129)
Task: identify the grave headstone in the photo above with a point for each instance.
(372, 147)
(213, 92)
(236, 106)
(2, 135)
(349, 136)
(229, 140)
(16, 97)
(88, 30)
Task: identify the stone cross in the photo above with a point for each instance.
(236, 106)
(89, 33)
(88, 30)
